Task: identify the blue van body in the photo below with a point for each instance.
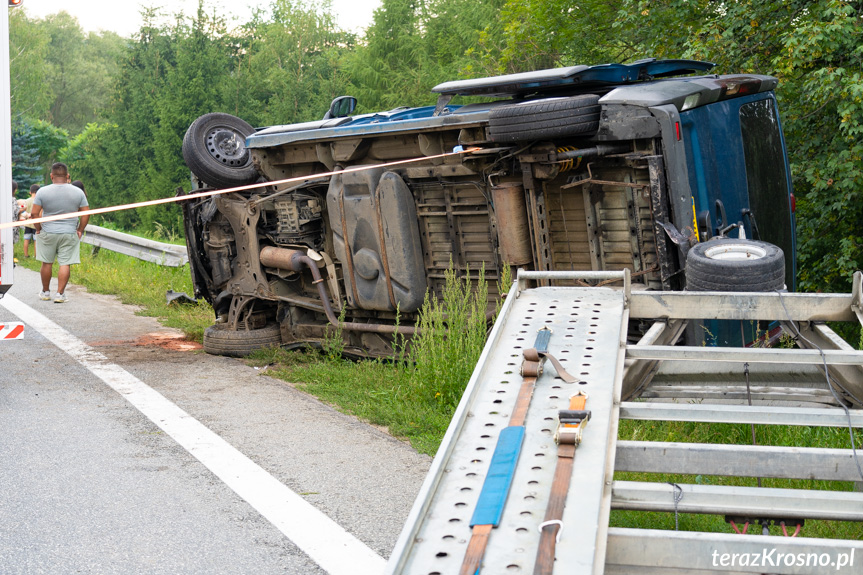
(746, 132)
(720, 138)
(581, 168)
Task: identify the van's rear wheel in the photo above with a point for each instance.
(726, 264)
(545, 119)
(219, 339)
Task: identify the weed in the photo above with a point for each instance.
(163, 234)
(452, 335)
(786, 341)
(333, 344)
(400, 345)
(504, 283)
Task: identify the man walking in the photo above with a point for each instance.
(29, 231)
(60, 239)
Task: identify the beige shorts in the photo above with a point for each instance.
(65, 248)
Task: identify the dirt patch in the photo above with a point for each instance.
(171, 341)
(168, 341)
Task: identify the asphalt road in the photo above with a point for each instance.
(98, 477)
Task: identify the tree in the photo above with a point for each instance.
(288, 66)
(388, 71)
(413, 45)
(453, 30)
(95, 157)
(91, 91)
(82, 69)
(193, 83)
(66, 40)
(28, 48)
(26, 169)
(58, 74)
(539, 34)
(34, 148)
(121, 154)
(815, 49)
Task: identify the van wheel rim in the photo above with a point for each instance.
(735, 252)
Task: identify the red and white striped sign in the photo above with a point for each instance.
(11, 331)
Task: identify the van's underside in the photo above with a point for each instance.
(382, 236)
(355, 219)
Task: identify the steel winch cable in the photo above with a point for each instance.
(829, 384)
(194, 196)
(749, 399)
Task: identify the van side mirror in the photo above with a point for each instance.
(341, 107)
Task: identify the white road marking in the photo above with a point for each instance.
(322, 539)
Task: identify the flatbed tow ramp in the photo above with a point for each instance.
(488, 480)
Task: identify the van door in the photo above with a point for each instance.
(738, 171)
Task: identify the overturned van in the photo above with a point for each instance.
(656, 166)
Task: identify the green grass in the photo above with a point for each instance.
(739, 434)
(374, 391)
(137, 283)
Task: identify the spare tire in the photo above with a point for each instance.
(545, 119)
(219, 339)
(726, 264)
(214, 148)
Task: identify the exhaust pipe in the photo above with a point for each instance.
(295, 260)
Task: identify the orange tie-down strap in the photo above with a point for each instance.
(570, 427)
(496, 486)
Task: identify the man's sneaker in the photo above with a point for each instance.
(60, 298)
(45, 295)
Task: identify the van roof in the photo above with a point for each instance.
(571, 77)
(628, 84)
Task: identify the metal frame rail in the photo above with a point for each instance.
(786, 387)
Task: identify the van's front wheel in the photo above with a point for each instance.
(214, 148)
(219, 339)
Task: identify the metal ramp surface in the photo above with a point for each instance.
(589, 327)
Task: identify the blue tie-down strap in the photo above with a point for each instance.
(543, 336)
(492, 498)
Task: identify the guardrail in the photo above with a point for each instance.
(148, 250)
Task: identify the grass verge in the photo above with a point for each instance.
(138, 283)
(375, 391)
(415, 395)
